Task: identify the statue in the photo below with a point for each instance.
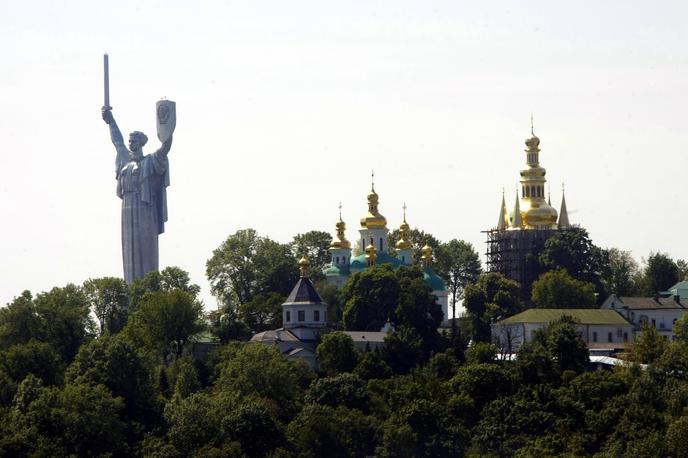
(141, 183)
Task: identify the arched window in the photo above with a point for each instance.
(538, 191)
(337, 260)
(380, 244)
(527, 191)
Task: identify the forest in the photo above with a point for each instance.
(106, 369)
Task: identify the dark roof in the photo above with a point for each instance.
(367, 336)
(303, 293)
(639, 303)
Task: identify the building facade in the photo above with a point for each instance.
(659, 312)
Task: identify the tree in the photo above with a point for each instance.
(314, 245)
(491, 298)
(64, 319)
(369, 298)
(648, 346)
(481, 353)
(319, 431)
(255, 428)
(114, 362)
(256, 370)
(417, 307)
(404, 350)
(661, 273)
(19, 321)
(226, 326)
(246, 264)
(336, 353)
(681, 329)
(557, 289)
(165, 321)
(33, 357)
(620, 273)
(459, 265)
(682, 269)
(341, 390)
(109, 300)
(371, 366)
(168, 279)
(78, 420)
(573, 250)
(262, 312)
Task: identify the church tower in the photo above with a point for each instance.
(304, 313)
(513, 244)
(404, 247)
(373, 225)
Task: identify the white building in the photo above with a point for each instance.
(659, 312)
(600, 329)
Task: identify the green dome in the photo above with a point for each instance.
(434, 280)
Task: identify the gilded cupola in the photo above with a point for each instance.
(536, 213)
(370, 254)
(340, 241)
(427, 256)
(404, 242)
(373, 219)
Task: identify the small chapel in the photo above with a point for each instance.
(372, 248)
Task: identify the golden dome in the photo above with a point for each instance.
(404, 242)
(427, 255)
(304, 264)
(538, 213)
(340, 241)
(533, 142)
(370, 254)
(373, 219)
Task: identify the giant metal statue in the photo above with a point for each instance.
(141, 183)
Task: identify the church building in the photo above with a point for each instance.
(372, 248)
(513, 244)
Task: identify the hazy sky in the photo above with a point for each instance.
(285, 107)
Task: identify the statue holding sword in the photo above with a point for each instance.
(141, 184)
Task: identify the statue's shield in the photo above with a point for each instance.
(166, 114)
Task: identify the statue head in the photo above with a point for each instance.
(136, 141)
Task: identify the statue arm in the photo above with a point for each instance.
(165, 148)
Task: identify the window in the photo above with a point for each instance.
(594, 336)
(337, 259)
(619, 332)
(403, 259)
(302, 315)
(380, 244)
(610, 337)
(316, 315)
(287, 315)
(625, 337)
(654, 323)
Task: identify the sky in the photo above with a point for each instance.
(284, 108)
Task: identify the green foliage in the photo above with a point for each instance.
(573, 251)
(226, 326)
(346, 390)
(481, 353)
(115, 363)
(371, 366)
(370, 298)
(246, 265)
(557, 289)
(648, 345)
(108, 297)
(59, 317)
(556, 349)
(381, 293)
(314, 245)
(681, 329)
(620, 273)
(404, 350)
(661, 273)
(186, 380)
(169, 279)
(262, 312)
(483, 382)
(336, 353)
(422, 429)
(258, 370)
(192, 423)
(165, 321)
(490, 299)
(324, 431)
(79, 420)
(33, 357)
(255, 428)
(459, 265)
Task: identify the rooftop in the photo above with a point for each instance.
(647, 303)
(583, 316)
(303, 293)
